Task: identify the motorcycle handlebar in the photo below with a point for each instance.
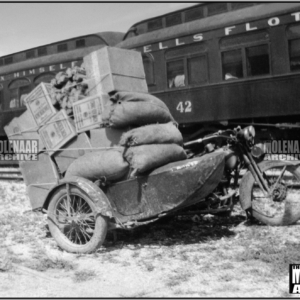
(215, 135)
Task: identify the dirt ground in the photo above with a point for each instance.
(182, 256)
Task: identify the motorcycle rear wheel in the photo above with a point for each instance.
(282, 206)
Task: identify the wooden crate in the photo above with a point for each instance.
(87, 112)
(57, 132)
(39, 103)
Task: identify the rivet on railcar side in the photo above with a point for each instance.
(224, 64)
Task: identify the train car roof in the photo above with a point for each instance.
(109, 37)
(245, 15)
(169, 13)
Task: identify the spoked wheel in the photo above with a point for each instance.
(281, 206)
(73, 221)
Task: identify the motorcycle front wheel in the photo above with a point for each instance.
(282, 205)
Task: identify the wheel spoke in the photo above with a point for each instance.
(84, 235)
(87, 225)
(278, 179)
(75, 218)
(281, 181)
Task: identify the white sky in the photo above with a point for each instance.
(28, 25)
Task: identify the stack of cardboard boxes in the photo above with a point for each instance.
(63, 138)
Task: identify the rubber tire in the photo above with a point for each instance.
(290, 215)
(100, 225)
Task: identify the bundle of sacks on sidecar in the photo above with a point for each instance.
(95, 122)
(150, 139)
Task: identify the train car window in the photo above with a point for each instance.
(293, 31)
(194, 14)
(80, 43)
(18, 89)
(8, 60)
(23, 92)
(1, 100)
(30, 54)
(216, 8)
(1, 62)
(173, 19)
(42, 51)
(239, 5)
(44, 78)
(62, 47)
(175, 74)
(186, 50)
(197, 70)
(14, 101)
(243, 39)
(155, 24)
(149, 69)
(294, 46)
(258, 60)
(232, 64)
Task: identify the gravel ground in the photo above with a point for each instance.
(174, 257)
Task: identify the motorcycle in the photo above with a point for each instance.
(80, 212)
(268, 191)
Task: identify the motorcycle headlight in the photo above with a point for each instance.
(249, 133)
(259, 150)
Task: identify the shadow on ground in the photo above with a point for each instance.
(175, 230)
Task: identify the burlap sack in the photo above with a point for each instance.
(152, 134)
(148, 157)
(104, 164)
(135, 109)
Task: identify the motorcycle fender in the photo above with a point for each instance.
(92, 190)
(245, 199)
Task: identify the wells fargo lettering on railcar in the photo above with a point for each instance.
(227, 31)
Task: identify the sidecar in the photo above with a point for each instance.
(80, 211)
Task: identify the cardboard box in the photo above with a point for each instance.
(115, 69)
(24, 127)
(114, 82)
(13, 129)
(111, 60)
(80, 144)
(39, 176)
(57, 132)
(105, 137)
(29, 129)
(39, 103)
(87, 112)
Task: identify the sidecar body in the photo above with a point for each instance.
(166, 189)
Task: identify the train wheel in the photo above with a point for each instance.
(282, 205)
(74, 222)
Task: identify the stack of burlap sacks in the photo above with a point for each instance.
(153, 142)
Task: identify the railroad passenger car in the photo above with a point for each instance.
(217, 64)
